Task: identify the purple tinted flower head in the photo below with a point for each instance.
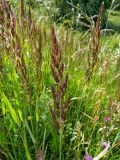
(87, 157)
(107, 118)
(104, 144)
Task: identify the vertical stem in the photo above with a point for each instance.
(60, 133)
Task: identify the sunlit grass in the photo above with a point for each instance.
(27, 129)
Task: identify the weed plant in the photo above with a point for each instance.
(59, 97)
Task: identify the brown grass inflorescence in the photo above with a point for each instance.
(94, 43)
(59, 88)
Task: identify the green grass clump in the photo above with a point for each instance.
(36, 121)
(114, 20)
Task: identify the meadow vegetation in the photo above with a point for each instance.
(59, 85)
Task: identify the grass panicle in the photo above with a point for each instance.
(40, 154)
(59, 89)
(94, 43)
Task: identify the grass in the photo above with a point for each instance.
(30, 108)
(114, 20)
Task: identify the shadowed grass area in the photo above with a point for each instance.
(114, 20)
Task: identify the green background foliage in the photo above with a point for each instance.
(90, 7)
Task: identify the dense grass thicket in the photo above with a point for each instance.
(71, 9)
(59, 87)
(114, 20)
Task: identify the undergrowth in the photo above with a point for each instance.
(59, 89)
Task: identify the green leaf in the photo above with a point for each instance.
(20, 115)
(30, 132)
(11, 109)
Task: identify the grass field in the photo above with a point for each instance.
(59, 89)
(114, 20)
